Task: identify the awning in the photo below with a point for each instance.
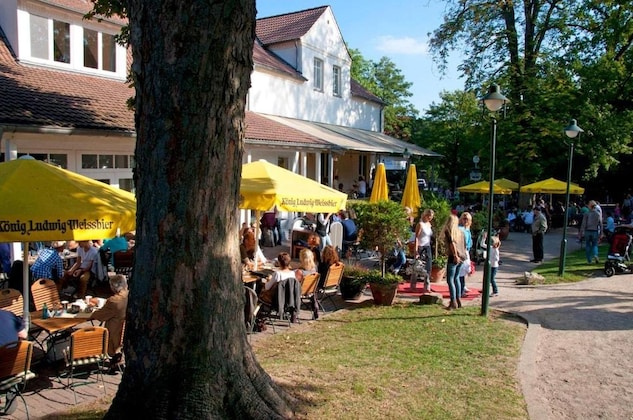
(354, 139)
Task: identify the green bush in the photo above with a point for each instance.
(380, 225)
(376, 277)
(442, 209)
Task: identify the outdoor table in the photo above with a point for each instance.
(55, 326)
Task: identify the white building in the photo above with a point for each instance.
(63, 95)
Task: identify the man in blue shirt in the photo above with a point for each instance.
(49, 265)
(11, 328)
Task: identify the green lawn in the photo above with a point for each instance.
(576, 267)
(403, 362)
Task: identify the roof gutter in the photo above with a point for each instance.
(68, 131)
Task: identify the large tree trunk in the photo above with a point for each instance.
(185, 344)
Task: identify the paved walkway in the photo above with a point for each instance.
(576, 361)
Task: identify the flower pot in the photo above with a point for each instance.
(384, 294)
(437, 274)
(351, 288)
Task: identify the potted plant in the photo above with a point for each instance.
(383, 287)
(442, 210)
(353, 282)
(438, 268)
(382, 224)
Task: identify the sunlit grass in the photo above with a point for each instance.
(406, 362)
(576, 267)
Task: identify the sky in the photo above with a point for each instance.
(397, 30)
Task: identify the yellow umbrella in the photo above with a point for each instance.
(379, 190)
(411, 195)
(506, 183)
(483, 187)
(41, 202)
(264, 186)
(552, 186)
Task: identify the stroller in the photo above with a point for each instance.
(619, 252)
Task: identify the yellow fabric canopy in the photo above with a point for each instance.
(264, 186)
(42, 202)
(483, 187)
(552, 186)
(506, 183)
(411, 195)
(379, 190)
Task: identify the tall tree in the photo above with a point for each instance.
(386, 81)
(540, 52)
(186, 348)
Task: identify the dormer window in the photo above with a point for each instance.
(50, 39)
(99, 50)
(318, 74)
(336, 81)
(53, 42)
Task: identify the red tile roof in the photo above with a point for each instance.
(83, 7)
(258, 127)
(44, 97)
(35, 96)
(286, 27)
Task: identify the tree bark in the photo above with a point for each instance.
(186, 350)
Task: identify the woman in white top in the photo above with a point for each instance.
(423, 234)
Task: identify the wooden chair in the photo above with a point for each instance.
(330, 285)
(123, 262)
(308, 290)
(44, 291)
(88, 346)
(15, 370)
(11, 300)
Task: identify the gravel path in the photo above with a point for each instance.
(577, 358)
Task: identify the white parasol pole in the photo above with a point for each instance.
(26, 285)
(257, 230)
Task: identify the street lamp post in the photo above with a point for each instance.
(572, 131)
(494, 101)
(406, 155)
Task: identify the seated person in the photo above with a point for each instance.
(118, 243)
(307, 265)
(113, 314)
(400, 257)
(49, 265)
(271, 293)
(329, 257)
(5, 257)
(249, 253)
(314, 245)
(12, 328)
(82, 271)
(350, 232)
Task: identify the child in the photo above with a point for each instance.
(494, 264)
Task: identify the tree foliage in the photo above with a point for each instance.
(386, 81)
(557, 60)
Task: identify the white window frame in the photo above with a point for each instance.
(76, 47)
(318, 74)
(336, 81)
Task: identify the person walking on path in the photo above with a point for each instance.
(539, 226)
(494, 264)
(590, 229)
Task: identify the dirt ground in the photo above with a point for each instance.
(577, 359)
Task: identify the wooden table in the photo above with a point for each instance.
(56, 326)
